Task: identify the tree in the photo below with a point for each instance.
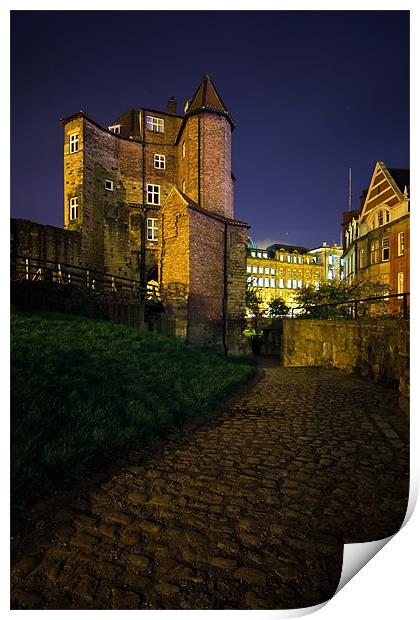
(255, 305)
(277, 308)
(311, 300)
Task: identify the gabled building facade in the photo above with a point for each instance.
(377, 239)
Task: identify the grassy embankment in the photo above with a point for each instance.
(84, 392)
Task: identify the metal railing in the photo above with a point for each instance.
(28, 268)
(356, 308)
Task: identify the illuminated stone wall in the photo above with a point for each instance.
(377, 349)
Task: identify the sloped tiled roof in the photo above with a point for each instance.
(207, 98)
(288, 248)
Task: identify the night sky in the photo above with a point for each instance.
(311, 93)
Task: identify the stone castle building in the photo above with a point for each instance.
(150, 197)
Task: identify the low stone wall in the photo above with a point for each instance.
(378, 349)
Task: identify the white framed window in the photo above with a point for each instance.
(159, 161)
(259, 254)
(74, 142)
(183, 150)
(385, 248)
(267, 270)
(74, 208)
(153, 123)
(152, 228)
(153, 194)
(254, 269)
(273, 283)
(267, 282)
(260, 281)
(400, 244)
(273, 271)
(295, 259)
(281, 258)
(249, 280)
(289, 258)
(300, 260)
(374, 252)
(265, 255)
(115, 128)
(254, 281)
(400, 282)
(380, 218)
(289, 284)
(253, 253)
(183, 186)
(281, 283)
(260, 269)
(248, 268)
(109, 185)
(300, 283)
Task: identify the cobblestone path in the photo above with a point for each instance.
(245, 510)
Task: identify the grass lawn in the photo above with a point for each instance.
(85, 391)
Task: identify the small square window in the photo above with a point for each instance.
(74, 142)
(155, 124)
(159, 161)
(153, 194)
(152, 228)
(115, 128)
(109, 185)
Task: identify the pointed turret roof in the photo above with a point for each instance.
(206, 98)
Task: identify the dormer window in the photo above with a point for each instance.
(115, 128)
(380, 218)
(153, 123)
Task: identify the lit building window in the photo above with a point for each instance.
(183, 186)
(273, 283)
(281, 283)
(153, 194)
(362, 258)
(254, 281)
(115, 128)
(155, 124)
(289, 258)
(400, 282)
(152, 229)
(281, 257)
(265, 255)
(260, 269)
(159, 161)
(300, 260)
(294, 283)
(260, 281)
(254, 269)
(385, 248)
(74, 142)
(380, 218)
(267, 270)
(295, 259)
(267, 282)
(183, 150)
(74, 208)
(109, 185)
(374, 252)
(330, 274)
(259, 254)
(248, 268)
(253, 253)
(300, 283)
(400, 244)
(273, 271)
(289, 284)
(317, 286)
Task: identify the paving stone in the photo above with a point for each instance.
(252, 576)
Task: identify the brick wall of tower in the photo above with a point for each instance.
(188, 165)
(236, 283)
(206, 257)
(216, 165)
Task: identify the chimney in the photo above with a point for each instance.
(171, 106)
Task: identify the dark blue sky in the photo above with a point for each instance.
(311, 93)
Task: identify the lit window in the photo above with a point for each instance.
(385, 248)
(281, 283)
(289, 284)
(374, 252)
(317, 286)
(153, 194)
(294, 283)
(259, 254)
(362, 258)
(380, 218)
(295, 259)
(74, 142)
(183, 186)
(159, 161)
(267, 270)
(330, 274)
(254, 269)
(109, 185)
(273, 271)
(253, 253)
(300, 260)
(400, 244)
(261, 270)
(254, 281)
(249, 280)
(152, 229)
(267, 282)
(260, 281)
(289, 258)
(400, 282)
(183, 150)
(281, 257)
(387, 216)
(248, 268)
(300, 283)
(74, 208)
(155, 124)
(265, 255)
(273, 283)
(115, 128)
